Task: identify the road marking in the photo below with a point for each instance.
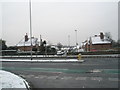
(30, 76)
(21, 75)
(36, 77)
(113, 79)
(96, 71)
(52, 77)
(66, 78)
(81, 78)
(113, 71)
(62, 70)
(97, 78)
(42, 76)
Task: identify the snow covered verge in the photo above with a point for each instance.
(28, 60)
(10, 80)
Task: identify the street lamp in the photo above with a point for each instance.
(76, 37)
(69, 40)
(30, 27)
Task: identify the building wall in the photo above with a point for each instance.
(25, 48)
(97, 47)
(101, 47)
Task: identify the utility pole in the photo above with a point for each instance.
(30, 27)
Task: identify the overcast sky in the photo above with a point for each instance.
(56, 20)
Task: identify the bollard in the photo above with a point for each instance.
(79, 56)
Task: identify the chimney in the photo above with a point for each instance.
(101, 35)
(26, 37)
(95, 35)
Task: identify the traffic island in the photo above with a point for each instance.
(10, 80)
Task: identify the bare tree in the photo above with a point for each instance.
(59, 45)
(3, 45)
(108, 36)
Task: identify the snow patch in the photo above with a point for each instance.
(28, 60)
(10, 80)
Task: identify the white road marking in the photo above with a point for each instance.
(96, 71)
(36, 77)
(52, 77)
(81, 78)
(113, 79)
(30, 76)
(22, 75)
(66, 78)
(42, 76)
(97, 78)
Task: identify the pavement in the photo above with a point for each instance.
(10, 80)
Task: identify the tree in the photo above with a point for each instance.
(108, 36)
(44, 43)
(53, 50)
(114, 43)
(59, 45)
(3, 45)
(118, 43)
(12, 48)
(43, 47)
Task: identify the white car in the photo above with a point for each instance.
(60, 52)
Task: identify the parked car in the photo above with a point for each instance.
(60, 52)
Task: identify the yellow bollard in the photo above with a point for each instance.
(79, 56)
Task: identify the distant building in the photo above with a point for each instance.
(97, 43)
(25, 44)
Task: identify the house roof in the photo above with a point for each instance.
(98, 40)
(28, 43)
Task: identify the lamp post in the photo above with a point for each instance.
(76, 40)
(69, 40)
(76, 37)
(30, 27)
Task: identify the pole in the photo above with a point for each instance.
(76, 40)
(45, 50)
(69, 40)
(40, 40)
(87, 45)
(76, 36)
(30, 27)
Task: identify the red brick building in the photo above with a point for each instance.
(25, 44)
(97, 43)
